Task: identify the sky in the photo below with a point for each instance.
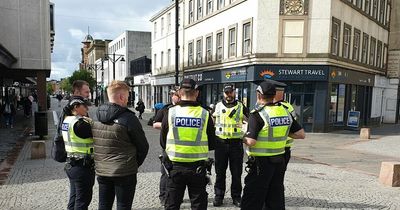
(106, 19)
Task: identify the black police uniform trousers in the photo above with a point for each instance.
(81, 179)
(229, 150)
(163, 185)
(264, 184)
(288, 155)
(182, 175)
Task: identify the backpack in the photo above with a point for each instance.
(58, 152)
(7, 109)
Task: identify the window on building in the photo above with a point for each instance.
(232, 42)
(191, 15)
(292, 40)
(162, 26)
(168, 22)
(335, 36)
(359, 3)
(387, 14)
(364, 53)
(123, 42)
(209, 7)
(209, 49)
(385, 53)
(162, 59)
(356, 45)
(346, 41)
(246, 38)
(372, 51)
(379, 55)
(220, 46)
(155, 61)
(220, 4)
(375, 8)
(155, 30)
(367, 6)
(199, 52)
(199, 9)
(51, 17)
(190, 54)
(169, 58)
(382, 11)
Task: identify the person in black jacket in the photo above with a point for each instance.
(120, 147)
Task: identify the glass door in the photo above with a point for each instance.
(303, 105)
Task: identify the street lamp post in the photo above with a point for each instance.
(114, 60)
(95, 67)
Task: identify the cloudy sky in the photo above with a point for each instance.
(106, 18)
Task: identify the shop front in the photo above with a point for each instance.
(142, 90)
(322, 96)
(161, 85)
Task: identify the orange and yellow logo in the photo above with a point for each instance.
(267, 74)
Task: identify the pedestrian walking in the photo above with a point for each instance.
(188, 135)
(28, 107)
(78, 139)
(174, 94)
(229, 115)
(59, 98)
(8, 109)
(140, 108)
(120, 148)
(268, 128)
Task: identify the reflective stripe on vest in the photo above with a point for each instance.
(272, 138)
(290, 108)
(228, 127)
(187, 135)
(73, 143)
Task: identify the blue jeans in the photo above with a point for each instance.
(9, 119)
(121, 187)
(81, 181)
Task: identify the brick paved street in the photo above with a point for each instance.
(321, 177)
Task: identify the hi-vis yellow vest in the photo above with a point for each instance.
(187, 139)
(73, 144)
(272, 138)
(228, 127)
(290, 108)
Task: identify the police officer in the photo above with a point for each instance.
(78, 139)
(229, 115)
(157, 125)
(187, 135)
(268, 129)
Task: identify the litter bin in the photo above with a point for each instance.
(41, 127)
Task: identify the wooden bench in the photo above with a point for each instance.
(390, 174)
(38, 149)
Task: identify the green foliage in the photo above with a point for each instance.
(49, 88)
(83, 75)
(66, 85)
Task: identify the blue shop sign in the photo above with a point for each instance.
(353, 119)
(291, 72)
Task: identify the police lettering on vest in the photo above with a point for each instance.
(65, 127)
(187, 122)
(279, 121)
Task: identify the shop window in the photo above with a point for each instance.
(308, 108)
(337, 103)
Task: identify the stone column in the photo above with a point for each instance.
(41, 88)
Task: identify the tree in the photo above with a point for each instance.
(49, 88)
(66, 85)
(83, 75)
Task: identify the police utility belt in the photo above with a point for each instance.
(84, 160)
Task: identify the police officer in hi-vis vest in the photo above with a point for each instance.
(78, 140)
(229, 115)
(268, 129)
(187, 136)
